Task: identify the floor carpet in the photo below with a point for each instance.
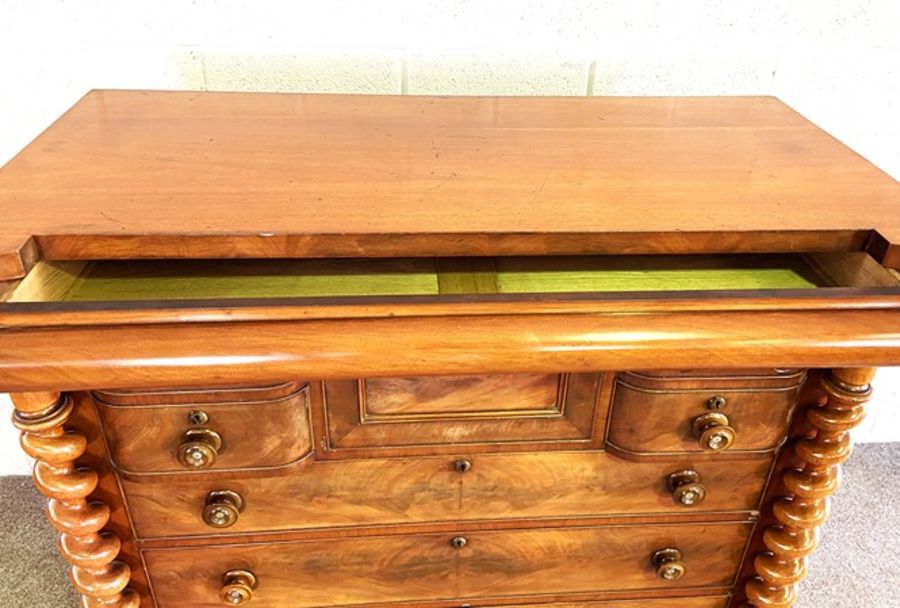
(854, 567)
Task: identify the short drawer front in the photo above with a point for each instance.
(148, 438)
(420, 490)
(427, 414)
(456, 565)
(671, 420)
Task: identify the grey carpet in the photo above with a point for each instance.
(854, 567)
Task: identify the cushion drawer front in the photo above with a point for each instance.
(236, 428)
(371, 492)
(706, 413)
(419, 415)
(458, 565)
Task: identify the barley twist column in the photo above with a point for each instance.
(97, 575)
(811, 485)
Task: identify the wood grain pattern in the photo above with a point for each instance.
(379, 491)
(660, 419)
(467, 199)
(146, 438)
(92, 550)
(422, 568)
(349, 429)
(118, 355)
(430, 396)
(424, 170)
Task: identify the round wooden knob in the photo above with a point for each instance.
(223, 507)
(462, 466)
(686, 488)
(237, 587)
(714, 431)
(668, 564)
(199, 448)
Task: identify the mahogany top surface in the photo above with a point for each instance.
(264, 175)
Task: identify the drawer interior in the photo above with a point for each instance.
(146, 280)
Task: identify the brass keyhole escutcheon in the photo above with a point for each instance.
(198, 417)
(199, 448)
(714, 431)
(237, 587)
(459, 542)
(223, 507)
(686, 488)
(462, 466)
(716, 402)
(668, 564)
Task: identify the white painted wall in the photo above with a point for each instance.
(836, 61)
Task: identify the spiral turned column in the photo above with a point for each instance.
(97, 575)
(810, 484)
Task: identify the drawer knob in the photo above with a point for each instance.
(714, 431)
(223, 507)
(459, 542)
(199, 448)
(462, 466)
(668, 564)
(237, 587)
(686, 488)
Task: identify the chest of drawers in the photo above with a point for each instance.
(326, 351)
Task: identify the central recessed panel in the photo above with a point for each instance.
(432, 414)
(422, 397)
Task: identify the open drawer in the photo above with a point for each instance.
(152, 323)
(425, 278)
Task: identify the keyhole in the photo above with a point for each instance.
(715, 403)
(198, 417)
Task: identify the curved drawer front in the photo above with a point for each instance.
(457, 565)
(419, 490)
(668, 414)
(240, 428)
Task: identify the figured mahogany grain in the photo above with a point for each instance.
(649, 414)
(574, 421)
(424, 396)
(379, 491)
(423, 568)
(146, 438)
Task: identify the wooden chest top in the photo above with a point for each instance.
(136, 174)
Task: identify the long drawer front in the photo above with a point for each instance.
(373, 492)
(458, 565)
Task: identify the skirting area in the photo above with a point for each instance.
(854, 568)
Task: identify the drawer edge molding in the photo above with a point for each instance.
(141, 356)
(198, 396)
(627, 454)
(822, 443)
(287, 468)
(98, 575)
